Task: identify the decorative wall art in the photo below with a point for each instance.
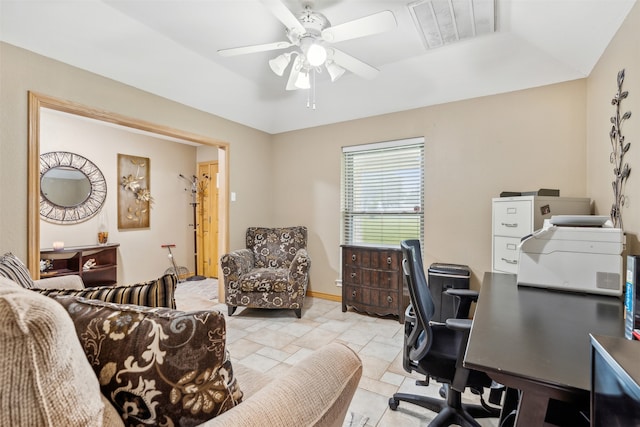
(619, 148)
(134, 194)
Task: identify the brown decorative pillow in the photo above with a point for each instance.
(12, 268)
(157, 366)
(46, 379)
(155, 293)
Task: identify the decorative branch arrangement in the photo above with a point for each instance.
(619, 148)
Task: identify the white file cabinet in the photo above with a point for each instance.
(516, 217)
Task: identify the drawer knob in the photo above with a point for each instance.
(389, 299)
(509, 261)
(510, 224)
(353, 294)
(353, 275)
(353, 257)
(389, 260)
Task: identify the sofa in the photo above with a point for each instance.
(69, 360)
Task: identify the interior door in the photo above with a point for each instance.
(207, 217)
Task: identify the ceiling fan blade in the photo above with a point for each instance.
(354, 65)
(373, 24)
(293, 75)
(284, 15)
(254, 48)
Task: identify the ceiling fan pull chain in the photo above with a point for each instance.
(313, 87)
(311, 92)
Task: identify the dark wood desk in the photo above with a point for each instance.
(537, 341)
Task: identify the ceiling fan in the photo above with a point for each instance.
(312, 35)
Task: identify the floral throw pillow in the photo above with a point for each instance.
(157, 366)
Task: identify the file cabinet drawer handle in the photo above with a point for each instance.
(510, 224)
(509, 261)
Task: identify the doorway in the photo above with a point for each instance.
(207, 219)
(39, 101)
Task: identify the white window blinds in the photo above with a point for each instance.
(383, 192)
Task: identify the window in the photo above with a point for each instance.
(383, 192)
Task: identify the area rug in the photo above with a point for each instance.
(197, 294)
(355, 420)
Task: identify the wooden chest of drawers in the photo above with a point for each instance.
(372, 280)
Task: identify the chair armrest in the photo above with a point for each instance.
(237, 262)
(72, 281)
(299, 270)
(463, 293)
(462, 325)
(300, 264)
(464, 299)
(315, 392)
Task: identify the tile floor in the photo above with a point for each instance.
(273, 340)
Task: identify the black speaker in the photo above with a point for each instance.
(441, 278)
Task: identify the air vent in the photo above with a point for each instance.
(441, 22)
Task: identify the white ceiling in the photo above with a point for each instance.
(169, 48)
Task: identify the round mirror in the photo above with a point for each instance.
(65, 187)
(72, 188)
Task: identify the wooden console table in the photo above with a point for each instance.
(70, 261)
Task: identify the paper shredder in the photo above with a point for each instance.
(441, 278)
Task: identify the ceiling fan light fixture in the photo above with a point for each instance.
(302, 81)
(316, 55)
(310, 34)
(280, 63)
(335, 71)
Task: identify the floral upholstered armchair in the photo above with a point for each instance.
(272, 272)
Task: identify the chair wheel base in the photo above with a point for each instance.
(393, 404)
(451, 411)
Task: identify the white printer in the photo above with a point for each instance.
(579, 253)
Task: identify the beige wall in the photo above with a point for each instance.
(553, 137)
(22, 71)
(474, 150)
(623, 52)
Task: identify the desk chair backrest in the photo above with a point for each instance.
(436, 350)
(420, 295)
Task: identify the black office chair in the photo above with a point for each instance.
(437, 350)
